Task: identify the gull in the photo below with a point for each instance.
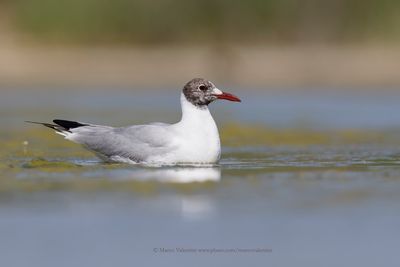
(192, 140)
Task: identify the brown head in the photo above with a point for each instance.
(201, 92)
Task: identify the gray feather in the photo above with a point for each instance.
(136, 143)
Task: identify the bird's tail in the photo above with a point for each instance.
(62, 127)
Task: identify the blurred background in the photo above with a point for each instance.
(257, 43)
(310, 163)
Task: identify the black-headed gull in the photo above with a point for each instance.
(193, 140)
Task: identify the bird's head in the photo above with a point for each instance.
(201, 92)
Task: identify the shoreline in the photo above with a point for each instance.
(352, 66)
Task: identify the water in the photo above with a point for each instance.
(305, 179)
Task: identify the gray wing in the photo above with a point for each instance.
(136, 143)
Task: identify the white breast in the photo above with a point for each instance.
(196, 137)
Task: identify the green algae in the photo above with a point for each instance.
(36, 160)
(239, 135)
(48, 165)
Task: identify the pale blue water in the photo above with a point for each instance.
(327, 109)
(304, 206)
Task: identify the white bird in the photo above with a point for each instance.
(193, 140)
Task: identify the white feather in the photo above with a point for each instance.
(194, 139)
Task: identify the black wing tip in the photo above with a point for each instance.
(68, 124)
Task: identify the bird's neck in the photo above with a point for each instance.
(195, 115)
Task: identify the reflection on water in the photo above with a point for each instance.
(172, 174)
(198, 207)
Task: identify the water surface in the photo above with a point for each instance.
(305, 179)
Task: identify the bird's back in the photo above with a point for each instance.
(137, 143)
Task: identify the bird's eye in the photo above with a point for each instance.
(202, 87)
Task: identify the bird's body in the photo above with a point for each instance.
(193, 140)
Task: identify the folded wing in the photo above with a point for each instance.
(137, 143)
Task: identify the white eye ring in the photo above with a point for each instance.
(202, 87)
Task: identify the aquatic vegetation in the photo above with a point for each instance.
(239, 135)
(48, 165)
(38, 160)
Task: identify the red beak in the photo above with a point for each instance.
(228, 96)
